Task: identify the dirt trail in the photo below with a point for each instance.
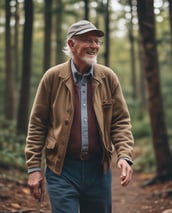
(15, 196)
(136, 199)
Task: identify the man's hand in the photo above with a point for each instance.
(126, 172)
(36, 184)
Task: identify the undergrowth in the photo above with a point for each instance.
(11, 146)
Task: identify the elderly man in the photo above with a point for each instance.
(79, 117)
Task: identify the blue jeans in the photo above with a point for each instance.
(82, 187)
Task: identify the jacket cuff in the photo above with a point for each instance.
(129, 161)
(34, 170)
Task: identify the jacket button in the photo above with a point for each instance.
(66, 122)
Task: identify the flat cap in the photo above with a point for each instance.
(82, 27)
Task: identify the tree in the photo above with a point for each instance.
(9, 81)
(23, 107)
(170, 20)
(47, 34)
(59, 42)
(142, 101)
(155, 102)
(107, 31)
(86, 14)
(132, 51)
(16, 40)
(170, 17)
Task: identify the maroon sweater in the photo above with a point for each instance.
(94, 144)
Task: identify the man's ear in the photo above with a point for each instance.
(70, 43)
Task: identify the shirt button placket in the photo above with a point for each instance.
(84, 124)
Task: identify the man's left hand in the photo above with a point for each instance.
(126, 172)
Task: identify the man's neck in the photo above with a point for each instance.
(82, 67)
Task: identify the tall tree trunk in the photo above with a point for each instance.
(26, 69)
(170, 20)
(107, 32)
(142, 102)
(59, 43)
(86, 10)
(47, 34)
(132, 53)
(9, 80)
(152, 76)
(16, 46)
(170, 17)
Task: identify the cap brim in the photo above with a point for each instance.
(98, 32)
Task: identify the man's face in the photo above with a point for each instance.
(85, 48)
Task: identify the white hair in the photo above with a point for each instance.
(67, 51)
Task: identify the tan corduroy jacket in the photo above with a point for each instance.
(52, 114)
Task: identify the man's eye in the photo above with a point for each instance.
(87, 40)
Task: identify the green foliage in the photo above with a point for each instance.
(11, 146)
(141, 128)
(145, 161)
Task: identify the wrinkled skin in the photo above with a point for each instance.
(126, 172)
(36, 184)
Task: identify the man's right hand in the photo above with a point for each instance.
(36, 184)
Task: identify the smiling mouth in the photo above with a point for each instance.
(91, 53)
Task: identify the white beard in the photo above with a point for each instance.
(90, 61)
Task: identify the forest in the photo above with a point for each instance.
(137, 46)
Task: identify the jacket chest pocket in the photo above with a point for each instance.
(50, 142)
(107, 107)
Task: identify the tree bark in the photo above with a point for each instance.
(86, 9)
(16, 43)
(59, 43)
(9, 80)
(23, 108)
(170, 20)
(47, 34)
(132, 54)
(152, 77)
(143, 101)
(107, 33)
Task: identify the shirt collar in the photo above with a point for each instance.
(76, 74)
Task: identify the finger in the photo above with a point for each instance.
(37, 192)
(126, 180)
(43, 189)
(35, 188)
(123, 171)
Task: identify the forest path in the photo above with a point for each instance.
(15, 196)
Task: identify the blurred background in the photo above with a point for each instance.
(137, 46)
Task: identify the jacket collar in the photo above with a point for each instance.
(98, 73)
(66, 73)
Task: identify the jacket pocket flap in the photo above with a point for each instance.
(107, 103)
(50, 142)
